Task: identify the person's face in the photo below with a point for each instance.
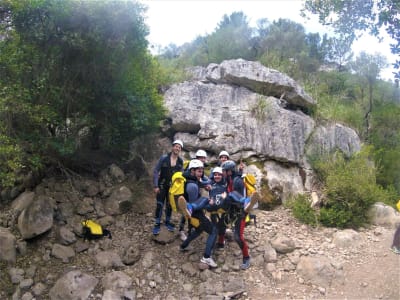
(223, 158)
(227, 173)
(198, 172)
(201, 158)
(176, 148)
(217, 177)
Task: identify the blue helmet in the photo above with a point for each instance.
(228, 165)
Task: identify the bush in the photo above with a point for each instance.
(302, 210)
(350, 188)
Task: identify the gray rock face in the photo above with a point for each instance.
(257, 114)
(334, 136)
(260, 79)
(234, 117)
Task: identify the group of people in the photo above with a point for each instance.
(208, 204)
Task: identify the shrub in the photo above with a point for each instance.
(350, 188)
(302, 210)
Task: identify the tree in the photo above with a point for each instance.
(368, 67)
(352, 17)
(231, 39)
(339, 51)
(69, 67)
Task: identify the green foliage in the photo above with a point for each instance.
(72, 65)
(348, 18)
(302, 210)
(385, 136)
(350, 189)
(260, 109)
(11, 158)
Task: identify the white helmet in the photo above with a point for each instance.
(223, 153)
(195, 163)
(179, 142)
(201, 153)
(217, 170)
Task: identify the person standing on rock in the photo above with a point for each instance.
(193, 211)
(167, 165)
(239, 207)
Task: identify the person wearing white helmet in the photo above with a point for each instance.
(193, 209)
(202, 156)
(167, 165)
(222, 157)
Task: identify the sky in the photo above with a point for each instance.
(181, 21)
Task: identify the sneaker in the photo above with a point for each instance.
(182, 235)
(187, 248)
(156, 229)
(184, 207)
(249, 203)
(395, 249)
(246, 263)
(209, 261)
(170, 226)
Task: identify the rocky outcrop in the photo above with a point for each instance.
(257, 78)
(256, 114)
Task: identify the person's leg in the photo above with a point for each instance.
(221, 230)
(168, 214)
(189, 208)
(396, 241)
(212, 235)
(182, 223)
(159, 210)
(239, 238)
(193, 233)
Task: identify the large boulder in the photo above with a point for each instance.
(36, 218)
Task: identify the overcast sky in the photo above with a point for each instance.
(181, 21)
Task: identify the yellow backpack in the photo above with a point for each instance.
(398, 205)
(93, 230)
(177, 189)
(249, 181)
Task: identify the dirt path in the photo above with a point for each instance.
(372, 272)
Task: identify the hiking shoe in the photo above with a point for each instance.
(156, 229)
(184, 207)
(170, 226)
(249, 203)
(182, 235)
(185, 249)
(395, 250)
(209, 261)
(246, 263)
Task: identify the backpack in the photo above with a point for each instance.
(249, 181)
(177, 189)
(186, 164)
(93, 230)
